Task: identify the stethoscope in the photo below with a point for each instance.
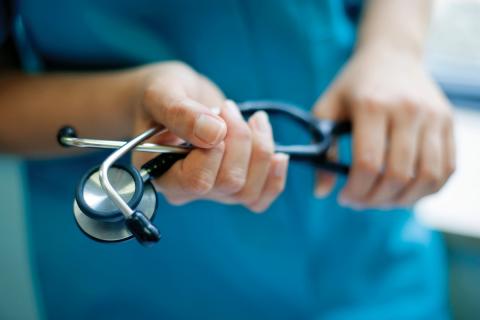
(115, 202)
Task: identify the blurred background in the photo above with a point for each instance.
(453, 56)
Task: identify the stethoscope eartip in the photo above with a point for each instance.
(66, 132)
(142, 229)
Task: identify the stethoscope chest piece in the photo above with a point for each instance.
(95, 213)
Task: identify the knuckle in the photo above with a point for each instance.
(176, 113)
(150, 95)
(448, 113)
(232, 182)
(369, 167)
(259, 209)
(175, 201)
(410, 107)
(398, 177)
(406, 149)
(371, 103)
(198, 183)
(451, 167)
(431, 178)
(219, 148)
(278, 188)
(243, 133)
(177, 66)
(247, 198)
(263, 151)
(428, 112)
(433, 115)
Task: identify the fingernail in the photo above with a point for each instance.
(260, 121)
(281, 165)
(233, 108)
(209, 129)
(344, 201)
(216, 110)
(321, 191)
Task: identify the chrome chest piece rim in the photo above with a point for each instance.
(96, 214)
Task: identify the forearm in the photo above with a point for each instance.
(399, 24)
(33, 108)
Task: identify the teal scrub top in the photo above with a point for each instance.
(303, 259)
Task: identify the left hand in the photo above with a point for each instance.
(403, 145)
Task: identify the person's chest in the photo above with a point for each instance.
(262, 48)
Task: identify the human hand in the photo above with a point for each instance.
(403, 145)
(234, 161)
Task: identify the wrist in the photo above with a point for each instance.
(130, 87)
(385, 49)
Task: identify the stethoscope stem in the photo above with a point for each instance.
(145, 175)
(114, 157)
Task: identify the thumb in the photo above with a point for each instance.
(328, 107)
(185, 117)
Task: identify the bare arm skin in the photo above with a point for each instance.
(33, 108)
(400, 25)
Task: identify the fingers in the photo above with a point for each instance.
(193, 177)
(436, 162)
(329, 107)
(260, 160)
(168, 104)
(450, 152)
(250, 173)
(238, 147)
(274, 185)
(241, 170)
(325, 181)
(401, 159)
(369, 148)
(418, 160)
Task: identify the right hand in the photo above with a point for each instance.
(234, 161)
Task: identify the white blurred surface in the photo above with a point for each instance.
(453, 46)
(456, 208)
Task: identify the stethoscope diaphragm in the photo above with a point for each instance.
(96, 214)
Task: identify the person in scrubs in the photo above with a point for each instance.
(323, 249)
